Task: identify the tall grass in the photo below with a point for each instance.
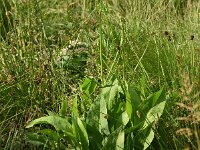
(147, 43)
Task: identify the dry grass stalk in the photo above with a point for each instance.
(190, 106)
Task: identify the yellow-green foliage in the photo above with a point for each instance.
(5, 17)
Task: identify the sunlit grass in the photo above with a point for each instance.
(147, 43)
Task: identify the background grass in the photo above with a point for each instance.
(148, 43)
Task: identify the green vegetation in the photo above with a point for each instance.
(110, 74)
(118, 119)
(5, 16)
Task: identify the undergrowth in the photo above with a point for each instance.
(49, 48)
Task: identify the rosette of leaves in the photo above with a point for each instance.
(117, 118)
(73, 58)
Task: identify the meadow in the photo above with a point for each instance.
(100, 74)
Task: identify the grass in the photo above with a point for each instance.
(146, 43)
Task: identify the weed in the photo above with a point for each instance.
(111, 120)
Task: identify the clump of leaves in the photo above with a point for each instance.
(73, 58)
(117, 119)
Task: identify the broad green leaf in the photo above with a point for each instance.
(132, 103)
(120, 141)
(36, 139)
(109, 94)
(129, 108)
(95, 137)
(63, 110)
(154, 114)
(115, 140)
(129, 142)
(83, 134)
(80, 132)
(51, 134)
(85, 86)
(152, 101)
(158, 96)
(123, 119)
(56, 121)
(155, 99)
(144, 137)
(103, 123)
(93, 115)
(89, 86)
(133, 128)
(97, 115)
(148, 139)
